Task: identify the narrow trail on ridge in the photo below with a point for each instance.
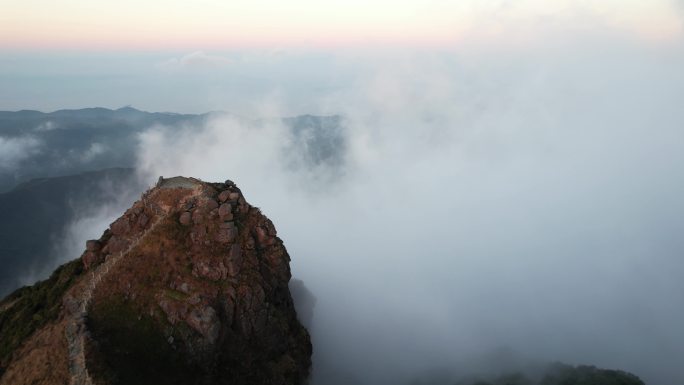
(76, 331)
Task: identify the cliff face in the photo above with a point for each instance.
(189, 286)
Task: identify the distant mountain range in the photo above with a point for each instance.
(67, 142)
(34, 216)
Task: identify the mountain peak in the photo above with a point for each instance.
(128, 109)
(188, 286)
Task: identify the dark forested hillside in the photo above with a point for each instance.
(35, 213)
(67, 142)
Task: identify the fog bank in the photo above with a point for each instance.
(486, 199)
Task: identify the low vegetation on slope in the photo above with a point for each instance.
(551, 374)
(127, 338)
(29, 308)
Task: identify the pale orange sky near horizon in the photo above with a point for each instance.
(213, 24)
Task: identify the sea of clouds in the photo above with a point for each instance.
(525, 199)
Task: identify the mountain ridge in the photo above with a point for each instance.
(66, 142)
(204, 277)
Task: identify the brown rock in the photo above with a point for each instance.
(211, 204)
(197, 217)
(184, 287)
(243, 206)
(211, 270)
(205, 321)
(226, 235)
(117, 245)
(198, 233)
(264, 239)
(225, 212)
(224, 196)
(185, 218)
(120, 226)
(234, 260)
(250, 244)
(91, 259)
(175, 311)
(93, 245)
(143, 219)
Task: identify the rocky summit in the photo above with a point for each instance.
(189, 286)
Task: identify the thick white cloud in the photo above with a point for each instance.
(528, 199)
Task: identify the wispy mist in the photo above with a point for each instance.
(89, 219)
(486, 200)
(15, 149)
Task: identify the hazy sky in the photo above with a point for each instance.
(72, 54)
(214, 24)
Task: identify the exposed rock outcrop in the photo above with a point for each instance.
(189, 286)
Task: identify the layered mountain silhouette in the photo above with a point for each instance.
(67, 142)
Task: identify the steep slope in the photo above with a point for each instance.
(189, 286)
(31, 309)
